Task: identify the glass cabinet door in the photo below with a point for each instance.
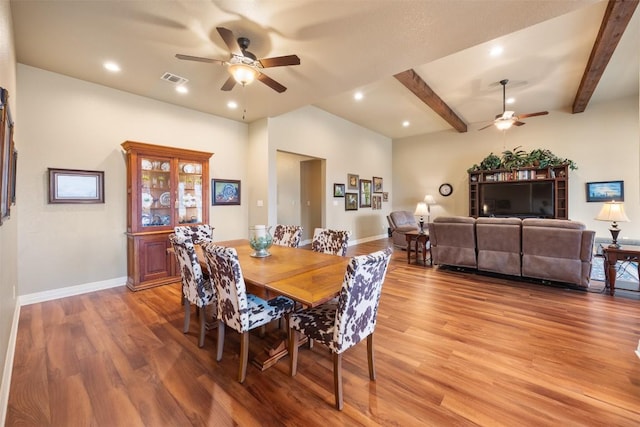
(155, 194)
(189, 196)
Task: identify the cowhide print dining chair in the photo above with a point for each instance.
(346, 320)
(199, 233)
(287, 235)
(236, 308)
(196, 289)
(327, 241)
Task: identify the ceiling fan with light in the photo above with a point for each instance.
(508, 118)
(243, 65)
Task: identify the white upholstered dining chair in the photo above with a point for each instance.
(327, 241)
(346, 320)
(287, 235)
(196, 289)
(236, 308)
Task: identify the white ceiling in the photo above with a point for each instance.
(344, 46)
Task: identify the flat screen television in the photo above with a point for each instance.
(517, 199)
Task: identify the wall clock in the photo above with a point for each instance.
(446, 189)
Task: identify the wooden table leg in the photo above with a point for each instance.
(610, 277)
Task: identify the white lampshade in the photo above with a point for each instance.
(613, 211)
(421, 209)
(242, 73)
(503, 124)
(429, 200)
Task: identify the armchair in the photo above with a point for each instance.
(400, 222)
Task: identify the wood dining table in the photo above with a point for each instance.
(307, 277)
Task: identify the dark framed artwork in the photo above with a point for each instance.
(377, 184)
(13, 174)
(385, 196)
(605, 191)
(352, 181)
(376, 201)
(365, 193)
(338, 190)
(351, 201)
(76, 186)
(225, 191)
(6, 154)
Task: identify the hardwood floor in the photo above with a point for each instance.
(452, 348)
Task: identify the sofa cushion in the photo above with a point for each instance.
(403, 219)
(453, 241)
(499, 245)
(558, 250)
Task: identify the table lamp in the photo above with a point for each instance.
(614, 212)
(429, 200)
(422, 209)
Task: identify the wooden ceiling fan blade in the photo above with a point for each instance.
(271, 83)
(230, 40)
(280, 61)
(229, 84)
(539, 113)
(199, 59)
(518, 123)
(487, 126)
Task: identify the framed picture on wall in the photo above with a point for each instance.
(351, 202)
(338, 190)
(377, 184)
(225, 192)
(76, 186)
(365, 193)
(376, 201)
(352, 181)
(605, 191)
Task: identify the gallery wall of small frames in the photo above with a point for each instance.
(361, 192)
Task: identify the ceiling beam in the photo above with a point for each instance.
(421, 89)
(614, 22)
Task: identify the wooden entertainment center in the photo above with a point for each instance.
(558, 176)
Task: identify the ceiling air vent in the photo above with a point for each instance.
(174, 79)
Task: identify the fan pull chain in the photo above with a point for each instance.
(244, 103)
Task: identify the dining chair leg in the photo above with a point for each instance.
(244, 356)
(293, 352)
(337, 379)
(372, 361)
(187, 316)
(203, 329)
(221, 328)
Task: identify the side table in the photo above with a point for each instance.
(611, 256)
(420, 239)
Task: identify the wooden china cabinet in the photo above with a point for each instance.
(166, 187)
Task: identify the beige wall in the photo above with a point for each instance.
(604, 142)
(347, 148)
(9, 228)
(288, 189)
(69, 123)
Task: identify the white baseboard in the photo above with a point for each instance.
(8, 365)
(71, 291)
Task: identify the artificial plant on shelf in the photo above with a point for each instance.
(518, 158)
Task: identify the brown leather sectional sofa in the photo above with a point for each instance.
(548, 249)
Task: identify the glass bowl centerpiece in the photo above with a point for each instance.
(260, 240)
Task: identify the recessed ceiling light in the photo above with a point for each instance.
(496, 51)
(182, 89)
(358, 96)
(406, 124)
(112, 66)
(232, 104)
(510, 100)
